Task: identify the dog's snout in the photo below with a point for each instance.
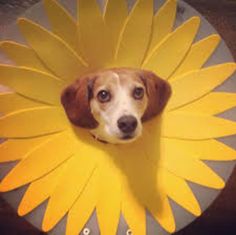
(127, 124)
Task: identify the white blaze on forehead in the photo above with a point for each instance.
(117, 76)
(123, 104)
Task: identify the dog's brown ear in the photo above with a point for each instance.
(76, 101)
(158, 91)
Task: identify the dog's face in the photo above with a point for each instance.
(113, 103)
(118, 105)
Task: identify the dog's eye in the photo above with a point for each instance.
(138, 93)
(104, 96)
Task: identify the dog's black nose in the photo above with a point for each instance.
(127, 124)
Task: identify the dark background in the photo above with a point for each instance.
(220, 218)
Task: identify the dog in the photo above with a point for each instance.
(113, 103)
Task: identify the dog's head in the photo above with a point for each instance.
(113, 103)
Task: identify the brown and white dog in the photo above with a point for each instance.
(113, 103)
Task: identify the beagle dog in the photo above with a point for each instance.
(113, 103)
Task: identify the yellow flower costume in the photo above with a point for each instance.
(79, 174)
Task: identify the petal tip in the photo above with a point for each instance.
(195, 20)
(171, 228)
(234, 66)
(221, 184)
(48, 222)
(198, 212)
(172, 2)
(214, 39)
(2, 44)
(231, 66)
(217, 37)
(49, 3)
(21, 211)
(6, 44)
(4, 187)
(197, 209)
(46, 226)
(22, 20)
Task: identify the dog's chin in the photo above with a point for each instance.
(121, 139)
(125, 139)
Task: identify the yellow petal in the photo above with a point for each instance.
(53, 51)
(196, 171)
(39, 191)
(94, 35)
(211, 104)
(109, 201)
(78, 172)
(145, 189)
(12, 150)
(39, 162)
(196, 127)
(79, 214)
(160, 209)
(193, 170)
(163, 23)
(22, 55)
(196, 84)
(198, 54)
(31, 83)
(166, 57)
(133, 211)
(206, 149)
(178, 190)
(33, 122)
(135, 35)
(115, 14)
(11, 102)
(62, 23)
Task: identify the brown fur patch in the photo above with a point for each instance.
(75, 99)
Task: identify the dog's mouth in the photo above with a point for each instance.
(127, 137)
(124, 138)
